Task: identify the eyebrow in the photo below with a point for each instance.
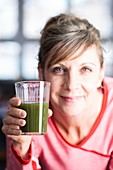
(62, 64)
(82, 64)
(89, 63)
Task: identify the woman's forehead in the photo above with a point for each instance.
(88, 56)
(82, 51)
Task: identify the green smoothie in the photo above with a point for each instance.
(36, 119)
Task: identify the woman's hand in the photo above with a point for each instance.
(14, 118)
(11, 126)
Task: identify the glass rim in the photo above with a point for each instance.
(32, 81)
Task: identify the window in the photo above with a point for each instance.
(22, 20)
(9, 60)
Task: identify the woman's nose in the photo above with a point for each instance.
(72, 81)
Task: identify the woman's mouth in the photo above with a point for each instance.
(71, 99)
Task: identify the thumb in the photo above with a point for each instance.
(50, 112)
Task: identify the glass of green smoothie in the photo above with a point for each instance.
(35, 101)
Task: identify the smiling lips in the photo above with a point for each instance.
(71, 99)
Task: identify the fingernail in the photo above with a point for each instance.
(22, 114)
(22, 122)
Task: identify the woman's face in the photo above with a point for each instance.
(75, 82)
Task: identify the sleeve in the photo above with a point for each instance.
(14, 161)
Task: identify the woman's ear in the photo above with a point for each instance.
(102, 74)
(40, 72)
(101, 77)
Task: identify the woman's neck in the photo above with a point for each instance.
(75, 128)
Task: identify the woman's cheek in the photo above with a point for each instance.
(90, 87)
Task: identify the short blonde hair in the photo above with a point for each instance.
(63, 35)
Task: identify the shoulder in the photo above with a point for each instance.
(108, 89)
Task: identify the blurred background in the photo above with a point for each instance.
(20, 24)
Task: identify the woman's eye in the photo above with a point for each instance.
(86, 69)
(59, 70)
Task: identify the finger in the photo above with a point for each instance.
(9, 120)
(15, 112)
(15, 101)
(11, 131)
(14, 127)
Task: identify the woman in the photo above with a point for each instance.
(80, 130)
